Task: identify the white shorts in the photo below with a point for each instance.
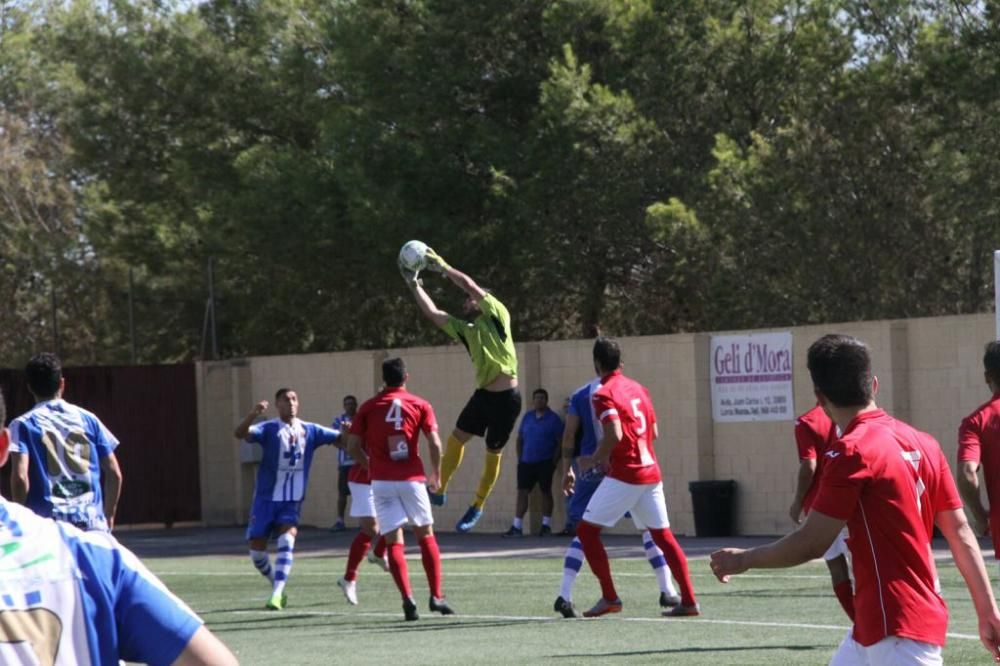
(836, 549)
(613, 498)
(362, 500)
(399, 502)
(891, 651)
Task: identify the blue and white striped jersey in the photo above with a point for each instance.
(287, 456)
(344, 458)
(69, 597)
(65, 444)
(581, 405)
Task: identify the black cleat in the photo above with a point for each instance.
(440, 606)
(667, 601)
(410, 610)
(545, 531)
(565, 607)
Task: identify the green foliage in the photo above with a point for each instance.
(639, 167)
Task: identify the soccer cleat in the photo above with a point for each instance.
(545, 531)
(382, 562)
(440, 606)
(567, 608)
(603, 607)
(437, 499)
(338, 526)
(669, 601)
(680, 610)
(277, 602)
(350, 590)
(410, 610)
(513, 532)
(469, 520)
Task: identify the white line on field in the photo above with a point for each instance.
(548, 618)
(249, 573)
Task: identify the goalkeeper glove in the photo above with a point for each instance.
(409, 276)
(435, 261)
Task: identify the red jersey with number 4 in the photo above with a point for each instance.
(389, 425)
(887, 480)
(814, 434)
(979, 441)
(633, 460)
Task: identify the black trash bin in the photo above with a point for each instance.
(714, 507)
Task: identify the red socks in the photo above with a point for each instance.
(845, 595)
(431, 556)
(357, 553)
(397, 567)
(677, 562)
(380, 547)
(590, 538)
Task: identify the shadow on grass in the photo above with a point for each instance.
(689, 650)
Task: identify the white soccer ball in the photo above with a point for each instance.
(413, 255)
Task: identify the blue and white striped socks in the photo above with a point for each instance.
(261, 560)
(283, 563)
(659, 563)
(571, 568)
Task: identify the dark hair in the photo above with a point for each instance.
(607, 354)
(282, 392)
(43, 373)
(350, 397)
(542, 392)
(841, 369)
(393, 372)
(991, 360)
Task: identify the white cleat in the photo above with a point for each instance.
(350, 590)
(382, 562)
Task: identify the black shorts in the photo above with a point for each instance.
(491, 414)
(342, 486)
(529, 474)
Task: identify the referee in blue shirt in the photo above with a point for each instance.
(538, 450)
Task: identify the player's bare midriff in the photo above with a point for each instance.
(501, 383)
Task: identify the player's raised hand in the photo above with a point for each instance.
(409, 276)
(727, 562)
(260, 408)
(435, 261)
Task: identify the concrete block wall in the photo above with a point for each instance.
(929, 370)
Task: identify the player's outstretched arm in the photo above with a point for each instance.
(111, 474)
(243, 427)
(355, 451)
(968, 487)
(806, 543)
(436, 262)
(204, 649)
(807, 469)
(969, 560)
(19, 477)
(428, 308)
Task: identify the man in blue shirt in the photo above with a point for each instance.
(344, 461)
(581, 417)
(288, 446)
(73, 597)
(62, 455)
(537, 452)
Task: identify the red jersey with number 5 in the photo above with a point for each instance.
(633, 460)
(389, 426)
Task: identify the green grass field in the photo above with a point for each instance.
(505, 615)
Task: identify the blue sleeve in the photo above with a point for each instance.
(103, 440)
(255, 433)
(19, 437)
(151, 624)
(321, 435)
(574, 408)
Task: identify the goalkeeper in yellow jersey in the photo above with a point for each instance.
(495, 405)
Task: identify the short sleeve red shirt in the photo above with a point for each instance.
(389, 426)
(633, 460)
(979, 441)
(815, 433)
(879, 477)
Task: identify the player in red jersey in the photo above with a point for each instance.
(632, 484)
(887, 482)
(389, 425)
(979, 445)
(815, 433)
(362, 508)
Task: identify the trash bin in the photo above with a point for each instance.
(714, 507)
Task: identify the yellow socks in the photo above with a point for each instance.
(489, 478)
(452, 458)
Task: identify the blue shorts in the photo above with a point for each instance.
(266, 514)
(582, 491)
